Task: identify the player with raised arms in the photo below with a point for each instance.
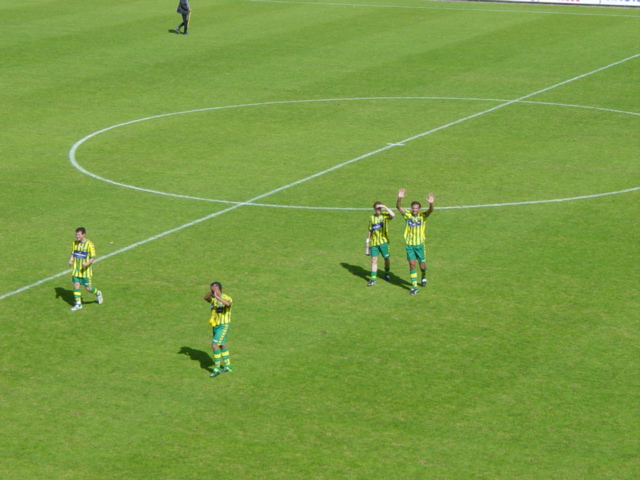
(415, 236)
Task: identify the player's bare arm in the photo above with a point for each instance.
(401, 194)
(217, 293)
(218, 296)
(431, 198)
(391, 214)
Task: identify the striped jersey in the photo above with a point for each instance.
(379, 228)
(415, 231)
(220, 313)
(82, 252)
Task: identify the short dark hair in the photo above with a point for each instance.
(376, 204)
(218, 284)
(416, 203)
(81, 229)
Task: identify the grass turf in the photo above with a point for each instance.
(519, 360)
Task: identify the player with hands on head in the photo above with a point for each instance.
(378, 240)
(219, 321)
(414, 237)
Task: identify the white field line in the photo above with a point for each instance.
(462, 8)
(452, 207)
(387, 147)
(535, 202)
(74, 148)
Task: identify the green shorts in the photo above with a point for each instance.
(84, 281)
(220, 334)
(415, 252)
(382, 249)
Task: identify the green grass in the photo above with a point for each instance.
(518, 361)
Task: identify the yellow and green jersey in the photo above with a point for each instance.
(82, 252)
(220, 313)
(415, 231)
(379, 228)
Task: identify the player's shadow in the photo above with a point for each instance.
(66, 295)
(173, 30)
(206, 362)
(358, 271)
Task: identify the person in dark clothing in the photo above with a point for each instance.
(185, 11)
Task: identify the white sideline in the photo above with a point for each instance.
(465, 9)
(249, 202)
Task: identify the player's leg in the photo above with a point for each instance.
(215, 346)
(374, 266)
(423, 268)
(77, 295)
(224, 351)
(423, 265)
(387, 262)
(91, 289)
(413, 273)
(216, 360)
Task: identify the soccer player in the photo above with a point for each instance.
(184, 10)
(414, 237)
(83, 254)
(220, 320)
(378, 240)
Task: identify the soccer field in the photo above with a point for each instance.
(250, 152)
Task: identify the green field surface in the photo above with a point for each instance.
(250, 152)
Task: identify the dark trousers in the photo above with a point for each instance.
(185, 22)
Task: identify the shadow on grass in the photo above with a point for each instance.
(66, 295)
(358, 271)
(206, 362)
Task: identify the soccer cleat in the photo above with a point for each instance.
(178, 30)
(185, 33)
(413, 291)
(371, 283)
(77, 306)
(423, 283)
(215, 373)
(387, 277)
(227, 369)
(99, 298)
